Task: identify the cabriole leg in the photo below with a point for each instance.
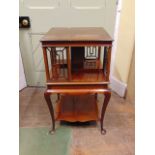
(104, 106)
(50, 106)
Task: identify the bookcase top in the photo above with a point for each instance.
(77, 34)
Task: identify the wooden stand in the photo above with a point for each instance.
(77, 73)
(77, 108)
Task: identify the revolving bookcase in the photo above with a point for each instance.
(77, 65)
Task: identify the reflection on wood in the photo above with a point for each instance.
(77, 108)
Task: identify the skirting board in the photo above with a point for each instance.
(118, 86)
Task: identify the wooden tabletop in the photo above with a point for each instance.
(77, 34)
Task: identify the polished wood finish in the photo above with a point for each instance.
(76, 43)
(75, 108)
(77, 89)
(69, 63)
(50, 106)
(78, 78)
(108, 63)
(46, 63)
(76, 34)
(104, 106)
(99, 53)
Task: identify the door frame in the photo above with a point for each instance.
(22, 79)
(116, 29)
(116, 85)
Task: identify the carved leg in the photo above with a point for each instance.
(105, 103)
(50, 106)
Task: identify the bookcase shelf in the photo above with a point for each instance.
(80, 76)
(84, 108)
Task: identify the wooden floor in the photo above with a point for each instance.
(86, 138)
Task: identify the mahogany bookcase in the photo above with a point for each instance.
(77, 65)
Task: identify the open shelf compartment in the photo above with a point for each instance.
(82, 64)
(75, 108)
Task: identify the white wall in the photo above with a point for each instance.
(123, 47)
(125, 43)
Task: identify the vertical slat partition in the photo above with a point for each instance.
(46, 63)
(69, 62)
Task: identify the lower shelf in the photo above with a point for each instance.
(75, 108)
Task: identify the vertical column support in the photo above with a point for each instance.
(99, 57)
(46, 63)
(51, 56)
(99, 52)
(106, 61)
(53, 62)
(69, 62)
(104, 106)
(50, 107)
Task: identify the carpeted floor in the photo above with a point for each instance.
(72, 138)
(37, 141)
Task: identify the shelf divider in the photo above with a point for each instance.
(69, 62)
